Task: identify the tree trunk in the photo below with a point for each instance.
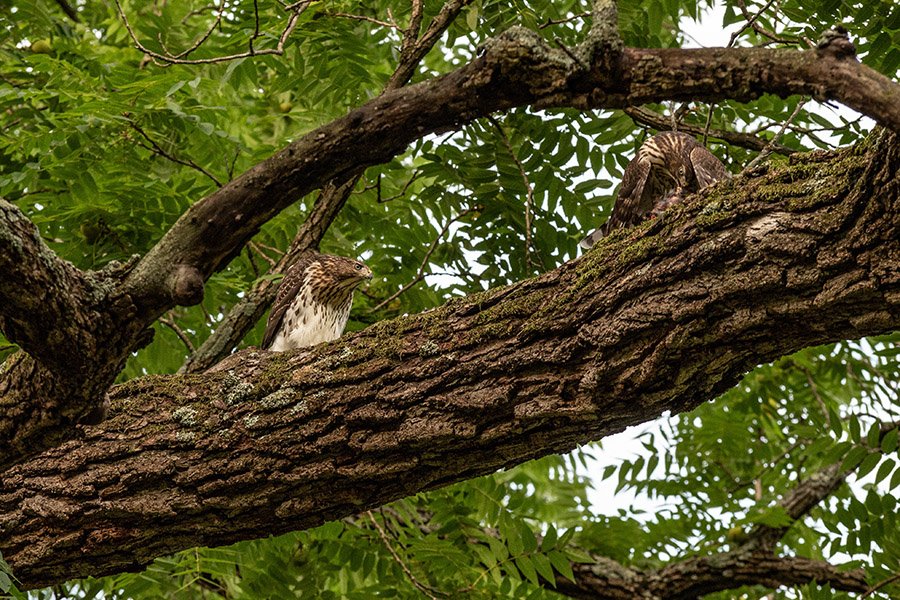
(661, 317)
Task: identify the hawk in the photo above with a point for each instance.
(667, 167)
(313, 301)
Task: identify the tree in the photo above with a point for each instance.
(163, 164)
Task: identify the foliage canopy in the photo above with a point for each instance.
(104, 149)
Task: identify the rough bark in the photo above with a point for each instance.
(696, 576)
(66, 320)
(658, 318)
(517, 68)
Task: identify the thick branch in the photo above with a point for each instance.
(517, 69)
(659, 318)
(699, 575)
(53, 311)
(695, 577)
(43, 299)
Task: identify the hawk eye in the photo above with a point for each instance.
(358, 267)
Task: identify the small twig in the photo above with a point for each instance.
(709, 114)
(205, 36)
(880, 585)
(343, 15)
(402, 192)
(420, 274)
(751, 23)
(178, 331)
(237, 152)
(154, 147)
(815, 392)
(255, 247)
(253, 266)
(429, 591)
(255, 26)
(552, 22)
(198, 11)
(678, 115)
(768, 149)
(270, 248)
(297, 9)
(529, 191)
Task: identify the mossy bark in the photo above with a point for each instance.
(661, 317)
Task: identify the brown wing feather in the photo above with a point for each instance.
(627, 199)
(707, 167)
(287, 291)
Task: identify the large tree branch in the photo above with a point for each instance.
(63, 320)
(699, 575)
(44, 300)
(517, 68)
(658, 318)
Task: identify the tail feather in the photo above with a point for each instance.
(592, 238)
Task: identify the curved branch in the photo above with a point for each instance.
(697, 576)
(517, 69)
(700, 575)
(54, 312)
(658, 318)
(295, 9)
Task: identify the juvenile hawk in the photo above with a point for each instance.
(313, 301)
(668, 166)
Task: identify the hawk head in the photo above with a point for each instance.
(332, 279)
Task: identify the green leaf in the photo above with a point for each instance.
(562, 565)
(889, 441)
(854, 457)
(544, 568)
(550, 539)
(884, 470)
(895, 480)
(527, 568)
(511, 534)
(529, 541)
(874, 436)
(868, 463)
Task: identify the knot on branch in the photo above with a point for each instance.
(186, 285)
(836, 44)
